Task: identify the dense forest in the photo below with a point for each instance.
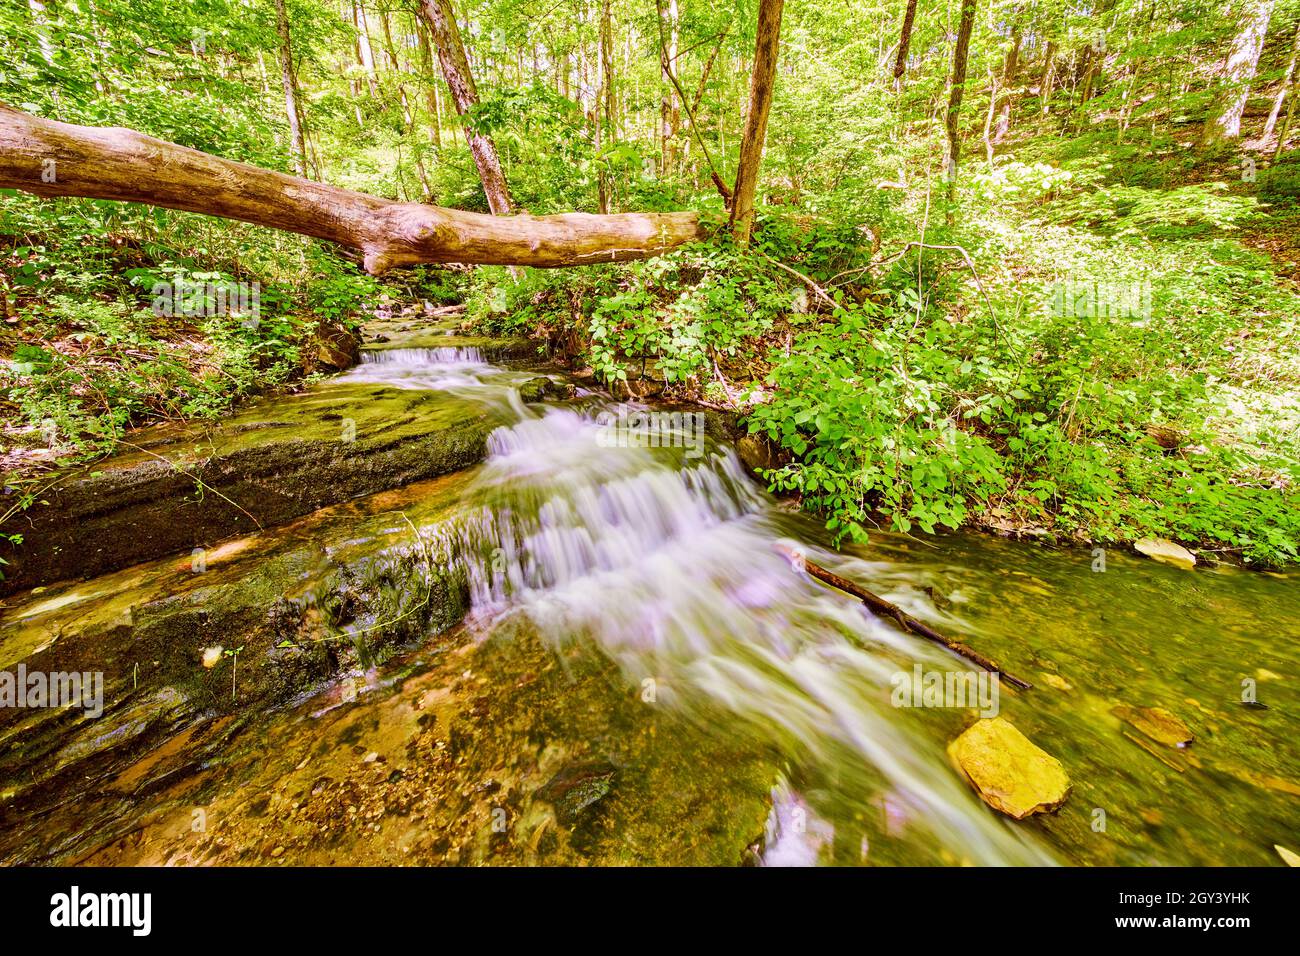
(1025, 265)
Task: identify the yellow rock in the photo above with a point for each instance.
(1161, 550)
(1157, 723)
(1010, 773)
(1053, 680)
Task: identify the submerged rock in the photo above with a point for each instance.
(575, 789)
(1168, 552)
(1010, 773)
(334, 593)
(1156, 723)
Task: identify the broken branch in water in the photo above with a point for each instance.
(902, 618)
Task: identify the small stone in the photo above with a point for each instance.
(576, 788)
(536, 389)
(1010, 773)
(1055, 681)
(1160, 549)
(211, 656)
(1156, 723)
(278, 851)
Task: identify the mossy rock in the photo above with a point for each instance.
(190, 487)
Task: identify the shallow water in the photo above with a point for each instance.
(646, 676)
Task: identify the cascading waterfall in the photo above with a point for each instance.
(669, 562)
(443, 355)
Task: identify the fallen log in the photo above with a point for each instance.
(50, 158)
(902, 618)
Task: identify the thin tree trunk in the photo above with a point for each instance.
(1010, 68)
(430, 83)
(290, 90)
(605, 101)
(988, 117)
(365, 54)
(1093, 59)
(464, 95)
(669, 112)
(905, 40)
(1288, 87)
(128, 166)
(704, 75)
(762, 80)
(958, 88)
(1049, 76)
(390, 50)
(41, 27)
(1224, 122)
(390, 54)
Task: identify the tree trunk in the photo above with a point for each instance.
(1285, 131)
(761, 82)
(958, 87)
(290, 89)
(50, 158)
(1092, 59)
(455, 67)
(1288, 87)
(390, 54)
(1224, 122)
(1010, 67)
(988, 117)
(1049, 76)
(670, 114)
(365, 53)
(706, 72)
(430, 83)
(390, 49)
(605, 101)
(905, 40)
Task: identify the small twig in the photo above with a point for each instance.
(802, 278)
(902, 618)
(197, 480)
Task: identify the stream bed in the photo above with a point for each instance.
(639, 674)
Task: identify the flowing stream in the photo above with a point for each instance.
(646, 675)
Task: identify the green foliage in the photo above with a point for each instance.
(870, 434)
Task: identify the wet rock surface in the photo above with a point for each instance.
(179, 487)
(505, 752)
(188, 488)
(274, 615)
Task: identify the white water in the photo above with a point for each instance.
(671, 564)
